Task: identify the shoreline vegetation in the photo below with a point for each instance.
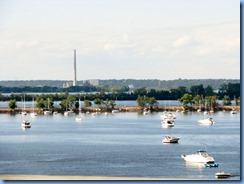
(120, 108)
(63, 177)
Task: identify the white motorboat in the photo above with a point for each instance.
(168, 122)
(146, 112)
(115, 111)
(199, 157)
(170, 139)
(47, 113)
(25, 124)
(167, 115)
(69, 113)
(207, 121)
(222, 174)
(78, 118)
(233, 112)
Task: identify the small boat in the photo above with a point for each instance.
(211, 165)
(168, 122)
(146, 112)
(23, 107)
(222, 174)
(170, 139)
(207, 121)
(115, 111)
(79, 117)
(233, 112)
(47, 112)
(168, 115)
(69, 113)
(25, 124)
(199, 157)
(33, 114)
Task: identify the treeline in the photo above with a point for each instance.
(232, 90)
(132, 83)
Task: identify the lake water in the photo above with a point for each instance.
(122, 144)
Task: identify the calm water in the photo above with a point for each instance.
(123, 144)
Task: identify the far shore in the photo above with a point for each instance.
(120, 108)
(100, 178)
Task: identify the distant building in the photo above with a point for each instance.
(94, 82)
(67, 84)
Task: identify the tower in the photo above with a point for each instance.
(74, 77)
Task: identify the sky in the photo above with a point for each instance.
(119, 39)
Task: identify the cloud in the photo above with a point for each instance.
(184, 41)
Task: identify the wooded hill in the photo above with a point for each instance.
(148, 83)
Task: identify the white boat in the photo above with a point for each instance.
(199, 110)
(79, 117)
(168, 122)
(33, 114)
(222, 174)
(207, 121)
(25, 124)
(233, 112)
(170, 139)
(199, 157)
(115, 111)
(146, 112)
(23, 107)
(69, 113)
(167, 115)
(47, 112)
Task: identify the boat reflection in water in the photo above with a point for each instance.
(194, 165)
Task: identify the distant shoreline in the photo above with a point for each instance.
(120, 108)
(101, 178)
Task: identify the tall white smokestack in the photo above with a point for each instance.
(74, 79)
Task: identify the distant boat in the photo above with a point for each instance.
(222, 174)
(79, 117)
(168, 122)
(146, 112)
(170, 139)
(69, 113)
(23, 107)
(233, 111)
(47, 112)
(115, 111)
(207, 121)
(33, 114)
(25, 124)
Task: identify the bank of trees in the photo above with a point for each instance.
(195, 95)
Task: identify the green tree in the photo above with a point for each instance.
(152, 102)
(186, 100)
(97, 101)
(226, 100)
(12, 104)
(209, 91)
(212, 102)
(142, 101)
(197, 90)
(40, 103)
(87, 103)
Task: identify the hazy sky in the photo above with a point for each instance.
(119, 39)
